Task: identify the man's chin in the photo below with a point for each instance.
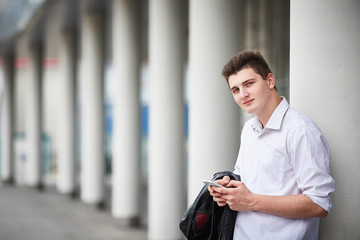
(248, 110)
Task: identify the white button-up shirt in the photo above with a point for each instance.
(288, 156)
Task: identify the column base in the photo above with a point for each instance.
(73, 195)
(9, 181)
(98, 206)
(129, 222)
(40, 187)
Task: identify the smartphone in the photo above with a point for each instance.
(212, 183)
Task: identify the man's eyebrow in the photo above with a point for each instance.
(244, 82)
(234, 87)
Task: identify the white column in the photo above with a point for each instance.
(33, 118)
(7, 161)
(324, 84)
(21, 74)
(214, 132)
(65, 181)
(91, 94)
(166, 118)
(126, 111)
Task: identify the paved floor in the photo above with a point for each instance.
(29, 214)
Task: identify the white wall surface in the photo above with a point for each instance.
(324, 84)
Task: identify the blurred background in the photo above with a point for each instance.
(121, 103)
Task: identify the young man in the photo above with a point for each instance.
(283, 160)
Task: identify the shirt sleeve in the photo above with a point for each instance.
(310, 156)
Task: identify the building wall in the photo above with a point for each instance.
(324, 85)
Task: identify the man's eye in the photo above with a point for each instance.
(248, 84)
(235, 90)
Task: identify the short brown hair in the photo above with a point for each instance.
(246, 59)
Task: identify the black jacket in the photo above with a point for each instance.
(205, 220)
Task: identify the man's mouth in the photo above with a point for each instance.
(248, 102)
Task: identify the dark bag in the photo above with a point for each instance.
(205, 220)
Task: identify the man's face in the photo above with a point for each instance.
(250, 91)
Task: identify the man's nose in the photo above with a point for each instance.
(243, 93)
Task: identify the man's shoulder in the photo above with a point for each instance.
(296, 118)
(300, 127)
(295, 121)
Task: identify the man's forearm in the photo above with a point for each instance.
(293, 206)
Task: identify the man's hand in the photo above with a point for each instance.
(214, 191)
(236, 194)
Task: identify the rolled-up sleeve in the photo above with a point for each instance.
(310, 158)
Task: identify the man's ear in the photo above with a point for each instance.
(271, 80)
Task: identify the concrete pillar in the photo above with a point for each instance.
(324, 84)
(33, 117)
(21, 74)
(52, 97)
(7, 115)
(214, 128)
(91, 101)
(166, 118)
(126, 111)
(66, 128)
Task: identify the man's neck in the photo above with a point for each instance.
(270, 108)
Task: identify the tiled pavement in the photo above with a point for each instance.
(30, 214)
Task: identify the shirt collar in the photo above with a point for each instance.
(275, 119)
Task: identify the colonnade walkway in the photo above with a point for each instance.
(29, 214)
